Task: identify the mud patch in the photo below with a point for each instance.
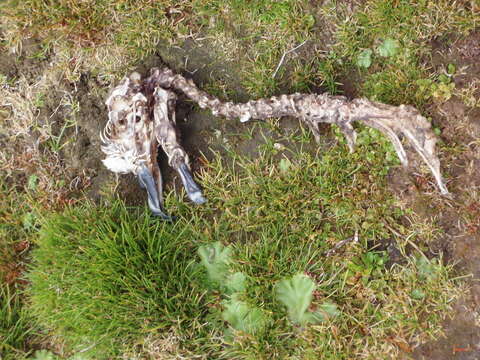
(462, 337)
(458, 218)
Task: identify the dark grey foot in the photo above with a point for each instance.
(193, 191)
(147, 182)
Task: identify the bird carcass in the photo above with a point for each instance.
(142, 117)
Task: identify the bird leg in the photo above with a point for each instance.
(129, 142)
(141, 116)
(164, 130)
(147, 182)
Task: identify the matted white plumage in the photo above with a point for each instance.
(141, 117)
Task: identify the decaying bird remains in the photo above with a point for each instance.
(142, 117)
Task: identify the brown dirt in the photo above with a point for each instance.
(460, 217)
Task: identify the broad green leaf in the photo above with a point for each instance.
(424, 83)
(451, 68)
(236, 282)
(444, 79)
(296, 295)
(364, 59)
(216, 258)
(417, 294)
(242, 316)
(326, 311)
(388, 48)
(427, 269)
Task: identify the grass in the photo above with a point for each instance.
(15, 326)
(110, 280)
(16, 226)
(397, 78)
(116, 278)
(250, 24)
(107, 280)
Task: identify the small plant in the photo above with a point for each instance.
(284, 165)
(216, 259)
(296, 295)
(427, 269)
(441, 89)
(57, 142)
(367, 266)
(364, 59)
(243, 316)
(239, 314)
(388, 48)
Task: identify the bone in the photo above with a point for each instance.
(395, 122)
(166, 135)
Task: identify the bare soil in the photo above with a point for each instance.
(459, 218)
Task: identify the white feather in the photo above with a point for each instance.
(119, 165)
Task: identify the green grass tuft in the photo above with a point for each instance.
(103, 278)
(110, 280)
(16, 325)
